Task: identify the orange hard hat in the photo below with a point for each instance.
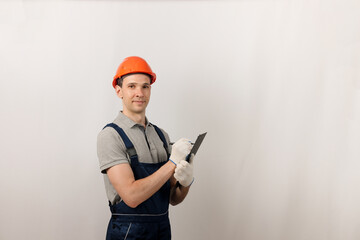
(133, 65)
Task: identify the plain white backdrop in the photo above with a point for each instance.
(276, 84)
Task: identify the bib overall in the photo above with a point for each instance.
(150, 219)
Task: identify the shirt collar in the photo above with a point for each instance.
(130, 123)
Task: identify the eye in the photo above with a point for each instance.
(146, 86)
(131, 86)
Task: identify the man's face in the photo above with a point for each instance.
(135, 93)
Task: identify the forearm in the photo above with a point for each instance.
(144, 188)
(134, 192)
(178, 192)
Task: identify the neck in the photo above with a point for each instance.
(136, 117)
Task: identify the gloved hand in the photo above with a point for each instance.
(180, 150)
(184, 172)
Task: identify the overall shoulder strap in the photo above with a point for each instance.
(163, 139)
(130, 149)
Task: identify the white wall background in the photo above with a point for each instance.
(275, 83)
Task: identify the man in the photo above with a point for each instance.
(140, 177)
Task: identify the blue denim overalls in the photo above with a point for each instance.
(150, 219)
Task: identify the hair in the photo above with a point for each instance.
(121, 79)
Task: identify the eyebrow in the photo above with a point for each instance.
(135, 83)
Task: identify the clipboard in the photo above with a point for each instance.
(196, 146)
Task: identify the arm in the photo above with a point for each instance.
(177, 193)
(184, 174)
(134, 192)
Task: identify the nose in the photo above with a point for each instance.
(139, 92)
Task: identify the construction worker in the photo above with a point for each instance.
(142, 172)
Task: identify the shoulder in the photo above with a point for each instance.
(107, 133)
(109, 137)
(110, 149)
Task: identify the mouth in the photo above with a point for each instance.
(139, 102)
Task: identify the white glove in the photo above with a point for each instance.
(184, 172)
(180, 150)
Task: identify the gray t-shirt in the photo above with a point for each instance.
(111, 149)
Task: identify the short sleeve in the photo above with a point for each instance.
(111, 150)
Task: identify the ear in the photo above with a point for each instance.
(118, 91)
